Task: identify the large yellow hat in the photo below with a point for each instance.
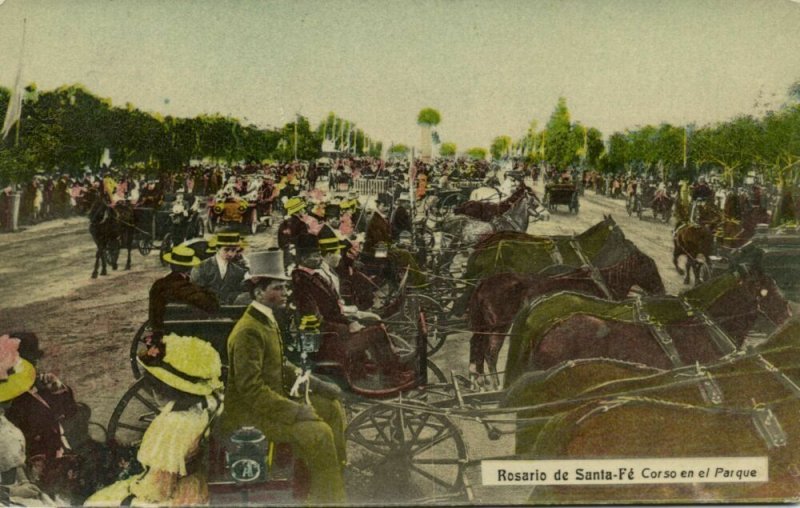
(181, 255)
(188, 364)
(16, 375)
(294, 205)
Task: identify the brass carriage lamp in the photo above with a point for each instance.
(308, 338)
(246, 455)
(381, 250)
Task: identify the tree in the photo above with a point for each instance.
(429, 117)
(562, 146)
(500, 147)
(399, 150)
(477, 153)
(447, 149)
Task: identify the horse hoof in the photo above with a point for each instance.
(94, 275)
(103, 274)
(128, 267)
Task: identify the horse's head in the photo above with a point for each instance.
(764, 292)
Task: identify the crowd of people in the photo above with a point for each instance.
(330, 255)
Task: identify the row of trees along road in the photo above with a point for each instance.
(68, 129)
(767, 144)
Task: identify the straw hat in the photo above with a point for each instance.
(188, 364)
(16, 375)
(329, 242)
(229, 239)
(294, 205)
(181, 255)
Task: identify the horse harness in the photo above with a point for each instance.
(594, 272)
(768, 426)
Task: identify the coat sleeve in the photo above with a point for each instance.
(246, 355)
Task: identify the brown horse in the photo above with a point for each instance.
(496, 300)
(567, 326)
(602, 408)
(696, 242)
(486, 211)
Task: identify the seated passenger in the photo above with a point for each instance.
(221, 273)
(316, 291)
(186, 383)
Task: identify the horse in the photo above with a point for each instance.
(567, 325)
(112, 228)
(608, 408)
(486, 210)
(465, 231)
(696, 242)
(620, 266)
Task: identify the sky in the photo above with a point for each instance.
(489, 67)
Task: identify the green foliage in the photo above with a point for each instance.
(562, 143)
(429, 117)
(500, 147)
(399, 150)
(447, 149)
(477, 153)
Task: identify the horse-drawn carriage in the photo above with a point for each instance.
(174, 222)
(234, 210)
(648, 195)
(561, 194)
(458, 192)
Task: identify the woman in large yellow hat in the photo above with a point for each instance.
(185, 377)
(16, 377)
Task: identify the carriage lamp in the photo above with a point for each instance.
(308, 337)
(246, 455)
(381, 250)
(243, 205)
(218, 208)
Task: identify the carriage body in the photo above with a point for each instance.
(164, 227)
(647, 197)
(234, 210)
(561, 194)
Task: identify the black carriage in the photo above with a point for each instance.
(174, 222)
(647, 196)
(433, 444)
(561, 194)
(447, 198)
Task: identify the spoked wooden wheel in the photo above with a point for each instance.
(134, 413)
(137, 346)
(145, 245)
(401, 455)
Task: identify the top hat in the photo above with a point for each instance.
(267, 265)
(306, 244)
(188, 364)
(229, 239)
(16, 375)
(181, 255)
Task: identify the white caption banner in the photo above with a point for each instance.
(625, 471)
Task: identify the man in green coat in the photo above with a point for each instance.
(260, 378)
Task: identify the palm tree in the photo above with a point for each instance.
(427, 119)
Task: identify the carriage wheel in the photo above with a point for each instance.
(166, 246)
(629, 207)
(136, 346)
(406, 455)
(445, 208)
(145, 245)
(253, 223)
(133, 414)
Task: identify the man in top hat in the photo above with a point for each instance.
(316, 289)
(177, 287)
(260, 379)
(400, 219)
(378, 229)
(221, 273)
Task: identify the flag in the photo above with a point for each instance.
(14, 110)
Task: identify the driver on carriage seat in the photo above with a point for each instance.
(221, 273)
(702, 190)
(259, 382)
(378, 229)
(177, 287)
(316, 291)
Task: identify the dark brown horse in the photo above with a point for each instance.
(620, 266)
(696, 243)
(603, 408)
(567, 326)
(485, 210)
(111, 228)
